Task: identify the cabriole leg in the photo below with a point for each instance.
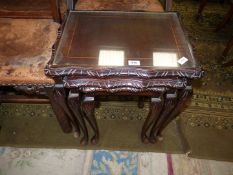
(156, 106)
(169, 104)
(75, 106)
(88, 107)
(183, 96)
(57, 100)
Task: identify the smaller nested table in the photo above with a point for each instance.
(120, 53)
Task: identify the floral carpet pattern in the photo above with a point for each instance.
(110, 162)
(14, 161)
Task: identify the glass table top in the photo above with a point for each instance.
(128, 39)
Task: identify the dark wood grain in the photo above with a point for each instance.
(30, 9)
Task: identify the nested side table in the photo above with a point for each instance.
(120, 53)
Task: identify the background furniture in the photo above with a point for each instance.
(221, 25)
(202, 5)
(227, 17)
(226, 50)
(167, 4)
(30, 9)
(229, 45)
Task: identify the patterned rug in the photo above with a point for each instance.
(76, 162)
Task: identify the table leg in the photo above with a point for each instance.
(169, 104)
(57, 97)
(141, 102)
(228, 47)
(74, 103)
(183, 97)
(156, 106)
(226, 50)
(88, 107)
(226, 20)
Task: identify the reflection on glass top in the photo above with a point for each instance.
(160, 59)
(111, 58)
(165, 59)
(93, 39)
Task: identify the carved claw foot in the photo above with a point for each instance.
(84, 141)
(159, 137)
(76, 134)
(152, 140)
(144, 139)
(95, 140)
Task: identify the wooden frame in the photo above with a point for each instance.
(54, 12)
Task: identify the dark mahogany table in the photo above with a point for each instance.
(120, 53)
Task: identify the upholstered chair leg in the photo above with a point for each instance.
(168, 5)
(201, 8)
(228, 47)
(226, 50)
(226, 20)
